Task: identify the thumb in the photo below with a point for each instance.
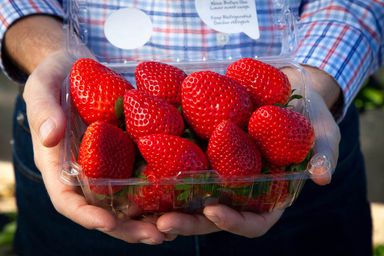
(323, 163)
(320, 170)
(42, 95)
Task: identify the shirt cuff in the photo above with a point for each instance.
(12, 11)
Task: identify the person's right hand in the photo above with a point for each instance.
(47, 123)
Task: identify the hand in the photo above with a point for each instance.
(321, 93)
(47, 123)
(323, 163)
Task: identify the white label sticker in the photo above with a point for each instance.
(230, 16)
(128, 28)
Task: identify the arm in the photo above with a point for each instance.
(27, 44)
(34, 44)
(344, 39)
(341, 43)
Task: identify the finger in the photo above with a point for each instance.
(74, 206)
(185, 224)
(42, 95)
(320, 176)
(135, 231)
(65, 198)
(242, 223)
(153, 219)
(326, 148)
(170, 237)
(320, 170)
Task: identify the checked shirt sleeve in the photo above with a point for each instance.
(343, 38)
(10, 12)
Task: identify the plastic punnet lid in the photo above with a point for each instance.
(127, 31)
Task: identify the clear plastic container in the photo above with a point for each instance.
(274, 43)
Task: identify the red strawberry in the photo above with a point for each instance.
(94, 90)
(209, 98)
(266, 84)
(161, 80)
(284, 136)
(264, 196)
(168, 155)
(276, 196)
(146, 114)
(232, 152)
(153, 197)
(106, 152)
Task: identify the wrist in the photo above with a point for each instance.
(30, 40)
(326, 86)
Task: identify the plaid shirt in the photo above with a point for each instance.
(343, 38)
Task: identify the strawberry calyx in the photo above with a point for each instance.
(191, 136)
(292, 97)
(119, 112)
(207, 190)
(300, 166)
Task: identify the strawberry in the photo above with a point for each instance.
(266, 84)
(263, 196)
(232, 152)
(146, 114)
(94, 89)
(106, 152)
(208, 98)
(161, 80)
(169, 155)
(154, 196)
(283, 135)
(277, 194)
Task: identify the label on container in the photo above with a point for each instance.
(128, 28)
(230, 16)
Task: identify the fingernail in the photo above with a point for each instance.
(170, 237)
(46, 128)
(170, 231)
(149, 241)
(213, 218)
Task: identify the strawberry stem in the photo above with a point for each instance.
(294, 96)
(291, 98)
(119, 109)
(300, 166)
(119, 112)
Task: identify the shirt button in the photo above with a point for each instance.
(222, 39)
